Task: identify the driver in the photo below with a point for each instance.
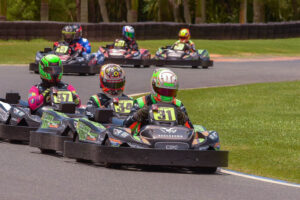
(112, 84)
(184, 37)
(82, 41)
(68, 33)
(51, 71)
(128, 37)
(164, 87)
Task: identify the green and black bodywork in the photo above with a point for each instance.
(162, 142)
(177, 55)
(16, 120)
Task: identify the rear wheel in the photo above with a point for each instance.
(146, 66)
(76, 139)
(205, 170)
(137, 66)
(205, 67)
(195, 67)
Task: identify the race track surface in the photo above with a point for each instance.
(27, 174)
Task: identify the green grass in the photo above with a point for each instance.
(259, 124)
(23, 52)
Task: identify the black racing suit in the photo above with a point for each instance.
(141, 107)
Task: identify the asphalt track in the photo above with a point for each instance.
(27, 174)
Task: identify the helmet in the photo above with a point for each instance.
(68, 33)
(112, 80)
(164, 85)
(184, 35)
(78, 31)
(50, 68)
(128, 32)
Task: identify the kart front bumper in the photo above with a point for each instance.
(15, 133)
(122, 155)
(48, 141)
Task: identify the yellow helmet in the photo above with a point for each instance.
(184, 35)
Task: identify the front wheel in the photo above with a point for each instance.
(47, 151)
(137, 66)
(110, 165)
(194, 67)
(205, 170)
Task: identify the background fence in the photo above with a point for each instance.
(150, 30)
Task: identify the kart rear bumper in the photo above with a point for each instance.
(71, 68)
(123, 155)
(204, 63)
(48, 141)
(15, 133)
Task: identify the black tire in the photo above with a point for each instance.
(91, 74)
(36, 72)
(205, 170)
(195, 67)
(137, 66)
(80, 160)
(15, 141)
(47, 151)
(205, 67)
(146, 66)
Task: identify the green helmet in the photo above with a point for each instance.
(50, 68)
(164, 85)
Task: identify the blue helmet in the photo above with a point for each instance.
(128, 32)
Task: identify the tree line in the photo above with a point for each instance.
(185, 11)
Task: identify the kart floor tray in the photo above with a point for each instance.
(15, 133)
(206, 63)
(71, 69)
(123, 155)
(48, 141)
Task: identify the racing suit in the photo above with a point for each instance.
(85, 44)
(39, 95)
(141, 107)
(75, 47)
(190, 45)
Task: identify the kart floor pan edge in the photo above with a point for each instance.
(47, 141)
(72, 68)
(119, 155)
(18, 133)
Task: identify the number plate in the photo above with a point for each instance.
(119, 43)
(179, 47)
(164, 114)
(62, 49)
(63, 96)
(124, 106)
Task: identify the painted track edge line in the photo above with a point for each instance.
(259, 178)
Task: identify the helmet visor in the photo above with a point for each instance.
(114, 84)
(182, 38)
(53, 70)
(166, 91)
(129, 35)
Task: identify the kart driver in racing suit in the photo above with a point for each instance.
(82, 41)
(112, 83)
(129, 39)
(86, 45)
(164, 87)
(184, 37)
(51, 71)
(68, 33)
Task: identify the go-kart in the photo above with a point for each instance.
(163, 142)
(181, 54)
(57, 122)
(73, 63)
(118, 53)
(16, 120)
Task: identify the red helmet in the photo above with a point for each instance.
(112, 80)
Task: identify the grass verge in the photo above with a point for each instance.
(257, 123)
(23, 52)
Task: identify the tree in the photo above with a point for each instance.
(164, 13)
(258, 11)
(200, 11)
(243, 12)
(132, 10)
(44, 10)
(175, 8)
(84, 11)
(103, 10)
(187, 14)
(3, 10)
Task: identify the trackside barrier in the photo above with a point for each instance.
(27, 30)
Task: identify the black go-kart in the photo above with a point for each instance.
(181, 54)
(61, 117)
(16, 120)
(161, 143)
(73, 64)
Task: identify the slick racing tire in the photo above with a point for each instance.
(110, 165)
(80, 160)
(47, 151)
(204, 170)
